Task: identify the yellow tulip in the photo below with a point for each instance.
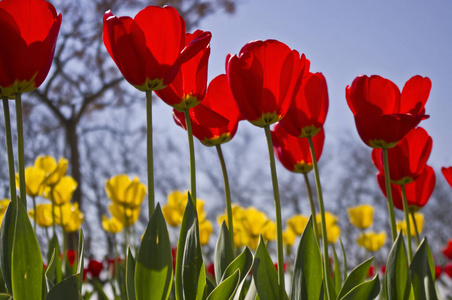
(111, 225)
(269, 231)
(127, 216)
(418, 217)
(123, 191)
(361, 216)
(237, 214)
(297, 224)
(371, 241)
(54, 171)
(254, 221)
(289, 236)
(3, 206)
(174, 210)
(34, 181)
(43, 215)
(333, 231)
(62, 192)
(205, 230)
(69, 217)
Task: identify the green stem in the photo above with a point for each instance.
(62, 229)
(279, 236)
(311, 202)
(20, 150)
(326, 265)
(9, 149)
(192, 153)
(407, 220)
(416, 230)
(53, 211)
(227, 194)
(389, 194)
(34, 209)
(150, 156)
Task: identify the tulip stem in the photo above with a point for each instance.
(311, 202)
(227, 194)
(416, 230)
(150, 156)
(389, 194)
(9, 149)
(326, 265)
(20, 149)
(53, 210)
(34, 209)
(192, 153)
(407, 221)
(279, 236)
(62, 230)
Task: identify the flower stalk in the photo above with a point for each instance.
(407, 221)
(389, 193)
(20, 149)
(9, 150)
(416, 230)
(192, 153)
(311, 203)
(150, 156)
(279, 235)
(326, 266)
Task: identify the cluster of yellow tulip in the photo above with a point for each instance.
(126, 196)
(249, 224)
(418, 224)
(362, 217)
(173, 211)
(47, 178)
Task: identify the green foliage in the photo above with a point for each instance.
(130, 275)
(224, 252)
(27, 265)
(364, 291)
(6, 244)
(422, 272)
(356, 277)
(68, 289)
(397, 277)
(227, 288)
(154, 263)
(308, 274)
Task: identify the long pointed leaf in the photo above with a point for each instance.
(154, 263)
(265, 274)
(398, 285)
(27, 265)
(243, 262)
(357, 276)
(130, 276)
(81, 254)
(224, 253)
(67, 289)
(308, 274)
(6, 244)
(368, 290)
(54, 251)
(227, 288)
(337, 273)
(421, 275)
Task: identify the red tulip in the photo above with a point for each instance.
(448, 269)
(383, 269)
(371, 272)
(263, 79)
(383, 115)
(95, 267)
(149, 49)
(447, 172)
(28, 31)
(447, 251)
(418, 192)
(216, 119)
(307, 112)
(71, 257)
(210, 269)
(407, 160)
(293, 152)
(189, 87)
(438, 271)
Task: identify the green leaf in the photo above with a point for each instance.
(357, 276)
(154, 262)
(265, 274)
(130, 275)
(81, 252)
(367, 290)
(398, 283)
(67, 289)
(210, 285)
(4, 296)
(251, 294)
(421, 275)
(6, 243)
(337, 272)
(243, 262)
(187, 222)
(49, 273)
(308, 274)
(224, 253)
(227, 288)
(100, 291)
(57, 274)
(345, 260)
(27, 265)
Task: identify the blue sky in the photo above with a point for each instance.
(342, 39)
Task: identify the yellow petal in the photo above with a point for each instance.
(111, 225)
(269, 231)
(205, 230)
(43, 215)
(62, 192)
(289, 237)
(371, 241)
(361, 216)
(297, 223)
